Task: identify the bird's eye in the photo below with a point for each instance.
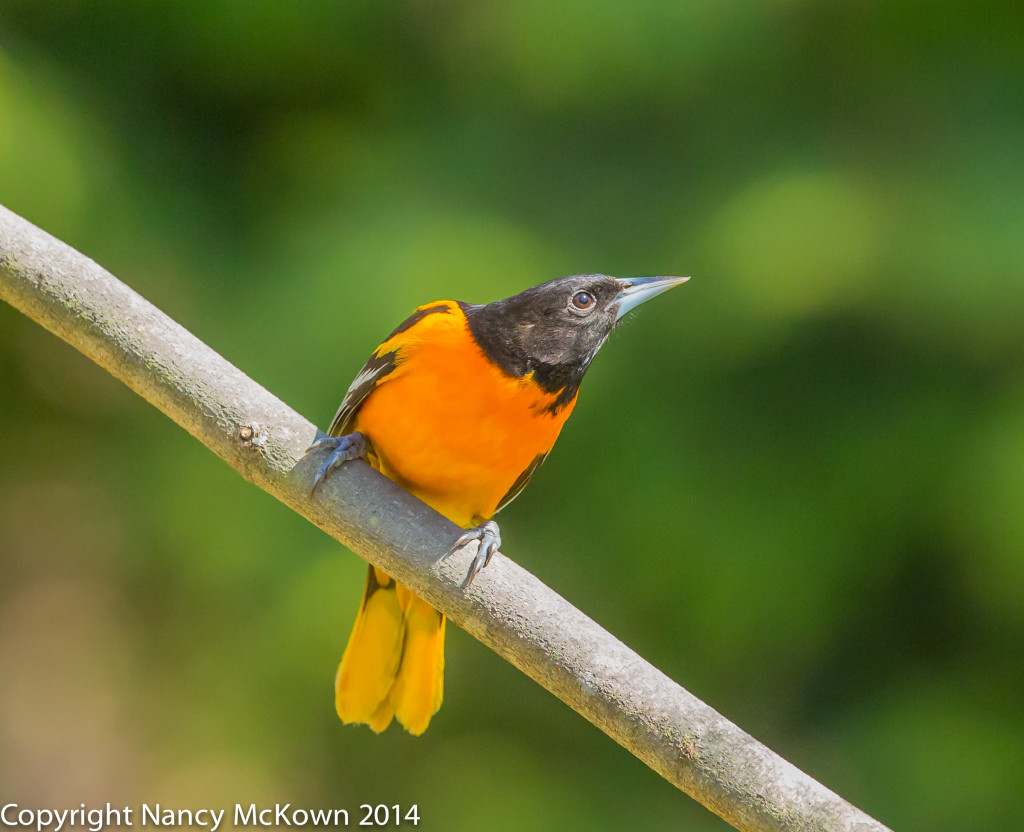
(583, 300)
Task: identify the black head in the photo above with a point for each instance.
(554, 330)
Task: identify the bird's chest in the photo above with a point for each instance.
(456, 431)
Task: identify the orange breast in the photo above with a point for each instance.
(451, 427)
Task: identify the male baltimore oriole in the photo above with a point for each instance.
(460, 405)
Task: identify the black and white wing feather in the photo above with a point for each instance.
(374, 371)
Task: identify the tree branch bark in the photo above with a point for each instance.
(506, 608)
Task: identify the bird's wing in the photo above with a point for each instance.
(376, 369)
(520, 482)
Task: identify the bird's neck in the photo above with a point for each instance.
(505, 337)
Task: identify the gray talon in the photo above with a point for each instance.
(489, 541)
(320, 441)
(343, 449)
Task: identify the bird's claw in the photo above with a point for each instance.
(489, 541)
(321, 440)
(343, 449)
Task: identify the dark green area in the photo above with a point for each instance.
(796, 484)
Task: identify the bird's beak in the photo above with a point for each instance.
(635, 290)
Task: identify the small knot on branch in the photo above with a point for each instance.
(252, 436)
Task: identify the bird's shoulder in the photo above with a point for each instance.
(428, 322)
(430, 318)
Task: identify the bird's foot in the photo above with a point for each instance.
(343, 449)
(489, 540)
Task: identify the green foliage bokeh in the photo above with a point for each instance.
(790, 484)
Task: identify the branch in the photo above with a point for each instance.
(507, 608)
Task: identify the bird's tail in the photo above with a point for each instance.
(393, 665)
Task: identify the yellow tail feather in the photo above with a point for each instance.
(393, 665)
(368, 668)
(419, 686)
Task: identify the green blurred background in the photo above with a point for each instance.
(795, 484)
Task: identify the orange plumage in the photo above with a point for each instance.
(456, 431)
(460, 406)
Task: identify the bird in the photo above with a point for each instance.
(459, 405)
